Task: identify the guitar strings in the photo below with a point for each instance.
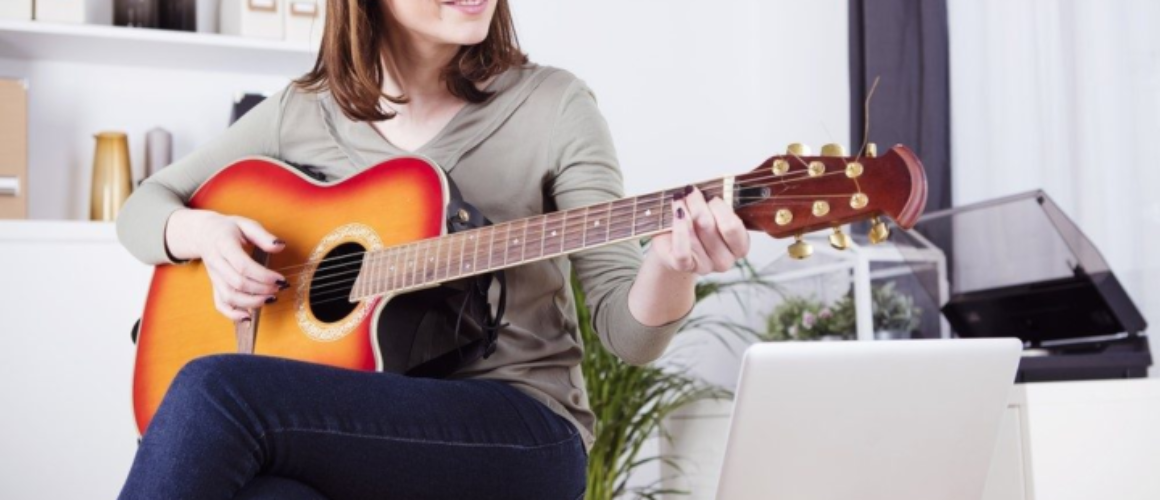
(710, 190)
(625, 221)
(787, 178)
(410, 278)
(663, 197)
(617, 222)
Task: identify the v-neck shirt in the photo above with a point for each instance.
(538, 145)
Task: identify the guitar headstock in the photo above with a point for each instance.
(796, 193)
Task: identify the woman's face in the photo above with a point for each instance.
(454, 22)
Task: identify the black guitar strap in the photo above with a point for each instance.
(423, 334)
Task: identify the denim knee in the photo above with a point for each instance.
(209, 379)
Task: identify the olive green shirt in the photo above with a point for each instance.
(539, 145)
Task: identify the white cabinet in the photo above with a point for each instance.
(69, 295)
(1079, 441)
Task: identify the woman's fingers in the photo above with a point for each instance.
(681, 247)
(718, 254)
(259, 236)
(227, 310)
(232, 252)
(730, 227)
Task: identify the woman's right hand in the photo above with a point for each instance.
(239, 283)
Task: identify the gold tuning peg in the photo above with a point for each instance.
(871, 150)
(878, 231)
(798, 149)
(839, 240)
(800, 249)
(833, 150)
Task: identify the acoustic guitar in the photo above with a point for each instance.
(354, 244)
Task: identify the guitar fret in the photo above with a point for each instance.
(622, 211)
(382, 266)
(475, 236)
(407, 267)
(632, 225)
(571, 238)
(464, 267)
(426, 276)
(523, 244)
(543, 233)
(385, 266)
(450, 262)
(401, 267)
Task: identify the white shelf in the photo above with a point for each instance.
(30, 40)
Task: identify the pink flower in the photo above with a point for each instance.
(808, 319)
(825, 313)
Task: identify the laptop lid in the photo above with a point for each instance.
(895, 420)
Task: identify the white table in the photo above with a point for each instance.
(1059, 441)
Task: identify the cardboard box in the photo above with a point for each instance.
(253, 18)
(13, 149)
(305, 20)
(17, 10)
(75, 11)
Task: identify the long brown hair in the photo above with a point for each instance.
(355, 49)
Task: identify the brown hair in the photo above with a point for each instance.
(355, 49)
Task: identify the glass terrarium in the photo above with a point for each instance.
(892, 290)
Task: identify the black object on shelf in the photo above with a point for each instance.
(243, 103)
(137, 13)
(179, 15)
(1019, 267)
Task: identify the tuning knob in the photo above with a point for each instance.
(833, 150)
(800, 249)
(839, 240)
(878, 231)
(871, 150)
(797, 149)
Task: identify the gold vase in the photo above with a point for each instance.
(112, 176)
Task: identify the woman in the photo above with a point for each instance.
(447, 80)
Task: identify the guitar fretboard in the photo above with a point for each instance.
(432, 261)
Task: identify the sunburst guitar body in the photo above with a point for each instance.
(353, 244)
(385, 206)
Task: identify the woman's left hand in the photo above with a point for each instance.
(706, 236)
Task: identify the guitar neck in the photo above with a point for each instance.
(432, 261)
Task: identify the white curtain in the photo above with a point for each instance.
(1065, 96)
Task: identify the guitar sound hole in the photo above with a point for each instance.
(333, 281)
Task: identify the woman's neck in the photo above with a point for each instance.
(417, 71)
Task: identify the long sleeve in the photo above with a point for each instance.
(588, 173)
(141, 223)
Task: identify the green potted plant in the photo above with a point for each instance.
(631, 402)
(807, 318)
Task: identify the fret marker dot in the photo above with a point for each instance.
(553, 233)
(392, 268)
(432, 259)
(648, 212)
(516, 241)
(467, 266)
(597, 223)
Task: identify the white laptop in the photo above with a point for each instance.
(896, 420)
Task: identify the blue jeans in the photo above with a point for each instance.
(254, 427)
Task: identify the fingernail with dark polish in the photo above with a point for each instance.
(279, 242)
(678, 196)
(688, 190)
(271, 299)
(282, 284)
(680, 213)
